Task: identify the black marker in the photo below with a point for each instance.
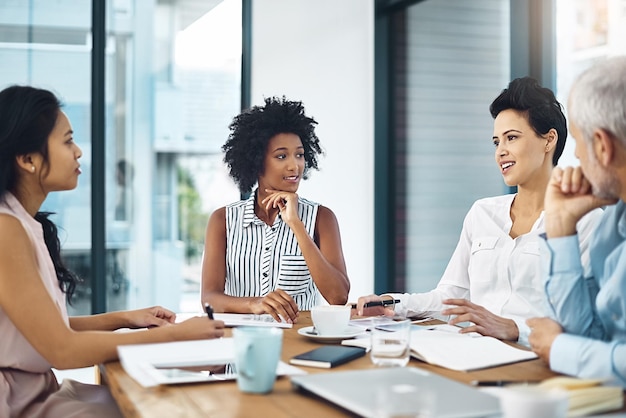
(208, 310)
(500, 382)
(385, 302)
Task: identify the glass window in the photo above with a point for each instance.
(586, 31)
(173, 85)
(39, 43)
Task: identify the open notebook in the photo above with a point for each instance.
(457, 351)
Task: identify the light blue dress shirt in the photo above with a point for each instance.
(590, 307)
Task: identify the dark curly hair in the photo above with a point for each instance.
(251, 131)
(544, 112)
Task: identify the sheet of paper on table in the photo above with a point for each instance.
(457, 351)
(235, 320)
(161, 363)
(367, 323)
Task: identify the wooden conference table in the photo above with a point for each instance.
(223, 399)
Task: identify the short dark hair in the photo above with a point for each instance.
(544, 112)
(251, 131)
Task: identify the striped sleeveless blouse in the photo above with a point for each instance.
(261, 258)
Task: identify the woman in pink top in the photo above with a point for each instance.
(38, 156)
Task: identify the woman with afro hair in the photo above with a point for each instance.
(274, 252)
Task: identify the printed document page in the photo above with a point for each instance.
(457, 351)
(184, 362)
(236, 319)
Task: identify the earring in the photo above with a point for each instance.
(32, 168)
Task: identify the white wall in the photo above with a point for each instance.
(322, 53)
(453, 72)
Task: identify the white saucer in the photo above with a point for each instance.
(350, 332)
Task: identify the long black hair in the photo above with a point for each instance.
(27, 117)
(539, 104)
(251, 131)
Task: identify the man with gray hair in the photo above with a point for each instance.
(587, 335)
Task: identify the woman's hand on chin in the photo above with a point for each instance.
(286, 202)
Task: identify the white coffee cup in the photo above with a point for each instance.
(331, 319)
(533, 402)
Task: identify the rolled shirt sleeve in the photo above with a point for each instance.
(570, 296)
(591, 306)
(587, 358)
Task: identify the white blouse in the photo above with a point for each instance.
(493, 270)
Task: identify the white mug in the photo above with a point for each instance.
(533, 402)
(257, 353)
(331, 319)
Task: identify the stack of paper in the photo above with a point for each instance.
(587, 396)
(370, 322)
(235, 320)
(142, 360)
(458, 351)
(163, 363)
(251, 320)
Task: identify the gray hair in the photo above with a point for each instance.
(597, 99)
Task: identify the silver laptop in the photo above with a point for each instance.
(356, 391)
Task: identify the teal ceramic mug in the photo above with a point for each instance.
(257, 351)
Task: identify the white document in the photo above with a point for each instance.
(458, 351)
(160, 363)
(235, 319)
(251, 320)
(141, 360)
(370, 322)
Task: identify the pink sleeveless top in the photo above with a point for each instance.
(18, 353)
(28, 387)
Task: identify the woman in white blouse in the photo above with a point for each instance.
(493, 279)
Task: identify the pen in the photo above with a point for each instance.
(209, 310)
(500, 382)
(384, 302)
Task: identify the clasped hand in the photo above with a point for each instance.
(543, 332)
(569, 197)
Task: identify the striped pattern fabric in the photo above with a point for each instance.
(261, 258)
